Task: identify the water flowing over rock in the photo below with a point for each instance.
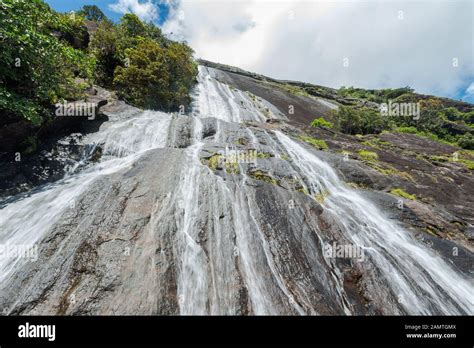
(215, 212)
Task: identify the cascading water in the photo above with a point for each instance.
(228, 255)
(25, 221)
(421, 280)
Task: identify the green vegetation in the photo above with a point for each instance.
(242, 141)
(463, 157)
(321, 122)
(400, 193)
(468, 163)
(466, 141)
(232, 167)
(320, 197)
(262, 176)
(431, 136)
(371, 159)
(441, 120)
(37, 68)
(43, 53)
(368, 156)
(439, 158)
(92, 13)
(317, 143)
(378, 96)
(351, 120)
(295, 90)
(219, 162)
(264, 155)
(215, 162)
(147, 69)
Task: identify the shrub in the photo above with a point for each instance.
(92, 13)
(359, 121)
(321, 122)
(440, 119)
(317, 143)
(400, 193)
(368, 155)
(37, 68)
(104, 47)
(409, 130)
(466, 141)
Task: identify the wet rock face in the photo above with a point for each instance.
(260, 240)
(114, 259)
(120, 247)
(425, 168)
(54, 147)
(201, 214)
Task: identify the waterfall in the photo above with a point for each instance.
(421, 280)
(228, 257)
(27, 219)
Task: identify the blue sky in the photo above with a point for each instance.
(427, 45)
(74, 5)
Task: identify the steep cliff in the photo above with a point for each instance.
(228, 210)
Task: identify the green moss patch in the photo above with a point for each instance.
(321, 122)
(264, 155)
(262, 176)
(368, 156)
(400, 193)
(317, 143)
(320, 197)
(215, 162)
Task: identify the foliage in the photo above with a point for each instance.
(263, 176)
(147, 69)
(378, 96)
(104, 47)
(466, 141)
(359, 121)
(92, 13)
(42, 53)
(215, 162)
(37, 68)
(155, 77)
(368, 155)
(400, 193)
(440, 119)
(468, 163)
(436, 122)
(317, 143)
(131, 26)
(321, 122)
(428, 135)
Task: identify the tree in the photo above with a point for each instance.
(156, 77)
(359, 121)
(92, 13)
(36, 67)
(145, 81)
(105, 48)
(132, 26)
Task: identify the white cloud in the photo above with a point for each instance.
(427, 46)
(146, 10)
(470, 89)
